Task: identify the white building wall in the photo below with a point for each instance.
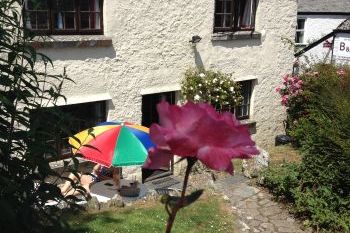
(151, 51)
(317, 26)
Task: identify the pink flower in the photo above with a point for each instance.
(285, 79)
(285, 100)
(198, 131)
(278, 89)
(341, 72)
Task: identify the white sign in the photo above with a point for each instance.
(341, 48)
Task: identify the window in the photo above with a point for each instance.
(242, 112)
(234, 15)
(64, 16)
(299, 35)
(75, 117)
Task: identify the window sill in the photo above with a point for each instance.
(239, 35)
(76, 41)
(300, 45)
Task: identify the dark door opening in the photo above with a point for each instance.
(149, 116)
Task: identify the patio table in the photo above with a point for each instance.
(106, 189)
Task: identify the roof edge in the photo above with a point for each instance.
(322, 13)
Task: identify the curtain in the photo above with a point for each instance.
(97, 15)
(247, 14)
(59, 20)
(28, 23)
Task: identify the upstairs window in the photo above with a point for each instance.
(299, 35)
(64, 16)
(234, 15)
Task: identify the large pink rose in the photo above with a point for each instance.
(197, 130)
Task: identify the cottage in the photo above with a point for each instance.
(316, 19)
(124, 56)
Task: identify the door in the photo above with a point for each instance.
(150, 116)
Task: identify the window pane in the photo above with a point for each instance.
(301, 24)
(90, 20)
(36, 5)
(84, 5)
(36, 15)
(64, 20)
(299, 37)
(31, 21)
(228, 7)
(219, 8)
(218, 20)
(227, 21)
(43, 20)
(90, 5)
(85, 20)
(223, 15)
(63, 5)
(68, 5)
(69, 21)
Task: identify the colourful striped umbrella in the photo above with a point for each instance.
(113, 144)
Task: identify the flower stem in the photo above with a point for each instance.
(179, 205)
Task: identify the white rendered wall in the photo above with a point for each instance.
(151, 51)
(317, 26)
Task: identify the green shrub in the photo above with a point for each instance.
(323, 209)
(24, 87)
(282, 180)
(215, 88)
(318, 120)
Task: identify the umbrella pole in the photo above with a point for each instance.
(116, 176)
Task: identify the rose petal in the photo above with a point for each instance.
(216, 158)
(157, 158)
(197, 130)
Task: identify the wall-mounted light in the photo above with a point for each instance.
(195, 39)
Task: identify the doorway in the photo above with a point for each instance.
(150, 116)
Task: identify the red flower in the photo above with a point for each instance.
(341, 72)
(198, 131)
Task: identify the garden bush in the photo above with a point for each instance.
(318, 120)
(282, 180)
(24, 87)
(216, 88)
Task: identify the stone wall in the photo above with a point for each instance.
(150, 51)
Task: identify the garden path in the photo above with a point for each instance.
(255, 209)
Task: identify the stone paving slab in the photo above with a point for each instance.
(255, 209)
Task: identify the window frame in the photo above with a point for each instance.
(77, 14)
(300, 30)
(60, 143)
(237, 10)
(242, 112)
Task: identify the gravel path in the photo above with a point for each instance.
(255, 209)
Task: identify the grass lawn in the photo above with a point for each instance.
(278, 155)
(283, 153)
(209, 214)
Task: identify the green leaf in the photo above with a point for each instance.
(189, 199)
